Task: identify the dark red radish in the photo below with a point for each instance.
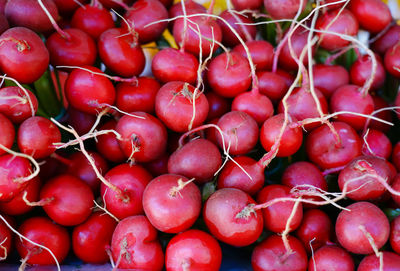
(284, 9)
(45, 232)
(92, 19)
(392, 60)
(272, 253)
(7, 134)
(261, 51)
(372, 15)
(82, 122)
(396, 187)
(91, 239)
(245, 4)
(286, 76)
(291, 139)
(363, 222)
(380, 103)
(172, 203)
(395, 235)
(88, 90)
(68, 6)
(315, 230)
(233, 176)
(332, 258)
(120, 52)
(131, 180)
(328, 78)
(17, 12)
(272, 85)
(115, 4)
(198, 159)
(2, 6)
(390, 262)
(240, 132)
(396, 156)
(376, 143)
(387, 40)
(257, 105)
(135, 243)
(21, 48)
(210, 133)
(342, 23)
(6, 240)
(144, 138)
(3, 23)
(276, 215)
(191, 7)
(17, 109)
(143, 13)
(108, 146)
(180, 106)
(332, 150)
(361, 70)
(225, 220)
(171, 64)
(217, 105)
(193, 249)
(332, 4)
(159, 166)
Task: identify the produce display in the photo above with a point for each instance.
(200, 135)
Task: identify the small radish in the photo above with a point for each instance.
(377, 144)
(360, 72)
(6, 240)
(217, 105)
(328, 78)
(108, 146)
(18, 108)
(272, 85)
(284, 9)
(373, 15)
(395, 234)
(7, 134)
(331, 257)
(392, 60)
(82, 122)
(387, 40)
(390, 261)
(261, 51)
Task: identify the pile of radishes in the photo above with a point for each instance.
(146, 134)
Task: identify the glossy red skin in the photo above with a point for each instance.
(396, 187)
(198, 159)
(81, 121)
(240, 24)
(364, 214)
(350, 98)
(217, 105)
(392, 60)
(121, 53)
(220, 211)
(13, 109)
(142, 249)
(68, 6)
(73, 200)
(271, 254)
(291, 140)
(396, 156)
(257, 105)
(171, 64)
(380, 103)
(328, 78)
(13, 168)
(16, 12)
(361, 69)
(144, 12)
(6, 240)
(87, 92)
(345, 23)
(91, 238)
(108, 146)
(373, 15)
(159, 166)
(231, 176)
(29, 142)
(174, 106)
(378, 143)
(170, 211)
(315, 230)
(246, 4)
(387, 40)
(148, 134)
(193, 249)
(31, 52)
(131, 180)
(209, 30)
(7, 134)
(191, 7)
(261, 51)
(240, 132)
(276, 215)
(324, 150)
(93, 20)
(284, 9)
(229, 75)
(45, 232)
(395, 235)
(137, 97)
(272, 85)
(332, 258)
(78, 50)
(391, 262)
(286, 76)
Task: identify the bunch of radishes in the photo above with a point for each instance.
(146, 133)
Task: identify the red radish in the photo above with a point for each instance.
(360, 72)
(333, 21)
(17, 109)
(180, 106)
(245, 4)
(328, 78)
(46, 233)
(291, 140)
(331, 258)
(69, 200)
(144, 12)
(377, 144)
(82, 122)
(191, 7)
(2, 6)
(6, 241)
(390, 262)
(261, 52)
(28, 141)
(3, 23)
(396, 155)
(224, 217)
(198, 159)
(373, 15)
(396, 187)
(255, 104)
(387, 40)
(171, 64)
(284, 9)
(272, 253)
(115, 4)
(7, 134)
(272, 85)
(21, 48)
(392, 60)
(395, 234)
(89, 92)
(363, 222)
(380, 103)
(159, 166)
(134, 245)
(131, 181)
(193, 249)
(144, 138)
(328, 151)
(68, 6)
(91, 239)
(286, 76)
(120, 52)
(217, 105)
(108, 146)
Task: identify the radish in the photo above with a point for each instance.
(395, 234)
(331, 257)
(396, 187)
(81, 121)
(246, 4)
(272, 85)
(387, 40)
(191, 7)
(6, 242)
(373, 15)
(68, 6)
(391, 261)
(377, 144)
(17, 104)
(379, 103)
(261, 52)
(284, 9)
(360, 72)
(218, 105)
(328, 78)
(392, 60)
(396, 155)
(8, 133)
(108, 146)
